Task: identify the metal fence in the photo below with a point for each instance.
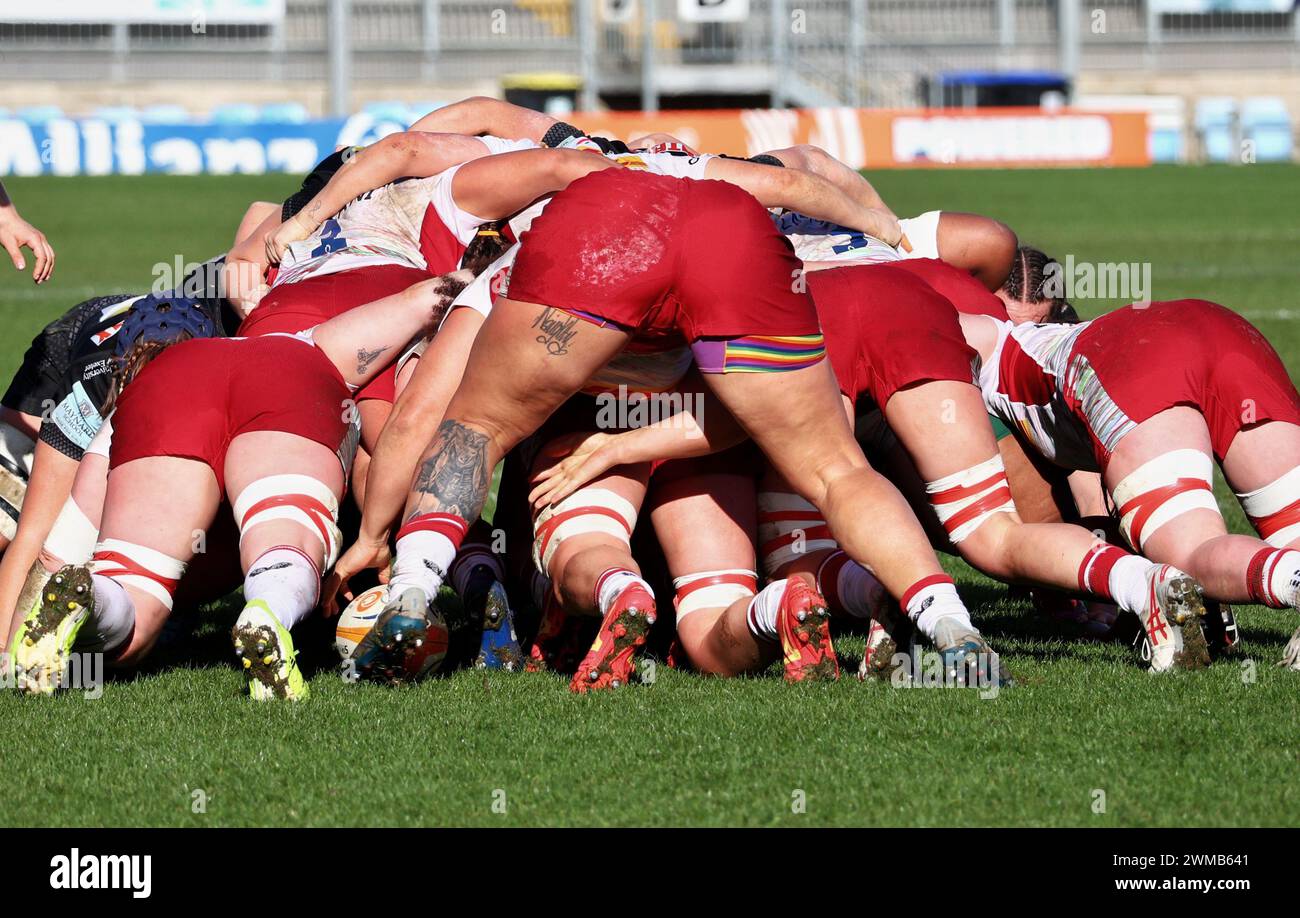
(868, 52)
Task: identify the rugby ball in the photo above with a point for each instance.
(357, 619)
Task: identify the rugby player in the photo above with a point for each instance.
(590, 275)
(268, 427)
(1151, 396)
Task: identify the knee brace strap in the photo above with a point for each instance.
(1274, 510)
(1162, 490)
(144, 569)
(965, 500)
(712, 590)
(299, 498)
(584, 512)
(788, 527)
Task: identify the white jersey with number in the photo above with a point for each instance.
(407, 222)
(1023, 382)
(821, 240)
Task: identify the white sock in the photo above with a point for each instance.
(423, 558)
(1284, 578)
(1128, 583)
(611, 583)
(287, 581)
(114, 618)
(470, 557)
(763, 610)
(934, 602)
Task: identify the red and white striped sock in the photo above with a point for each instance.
(426, 546)
(1109, 572)
(932, 598)
(1273, 577)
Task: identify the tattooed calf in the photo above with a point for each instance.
(456, 473)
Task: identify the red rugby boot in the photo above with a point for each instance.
(804, 626)
(608, 664)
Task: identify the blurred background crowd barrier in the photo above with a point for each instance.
(100, 86)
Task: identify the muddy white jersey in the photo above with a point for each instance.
(1023, 383)
(413, 222)
(382, 227)
(820, 240)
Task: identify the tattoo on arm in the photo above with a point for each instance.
(456, 473)
(366, 357)
(556, 330)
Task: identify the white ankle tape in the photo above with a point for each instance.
(788, 528)
(144, 569)
(72, 537)
(299, 498)
(964, 501)
(712, 590)
(584, 512)
(1162, 490)
(1274, 509)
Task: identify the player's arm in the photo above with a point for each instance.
(418, 409)
(795, 189)
(244, 271)
(495, 187)
(684, 435)
(484, 115)
(17, 234)
(53, 472)
(408, 154)
(850, 181)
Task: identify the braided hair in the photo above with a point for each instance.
(1031, 270)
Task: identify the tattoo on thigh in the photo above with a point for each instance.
(558, 329)
(366, 357)
(456, 475)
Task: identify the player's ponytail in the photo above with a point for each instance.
(1030, 282)
(133, 361)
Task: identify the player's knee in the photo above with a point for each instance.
(1164, 490)
(1274, 510)
(303, 511)
(149, 574)
(707, 590)
(790, 529)
(972, 500)
(588, 519)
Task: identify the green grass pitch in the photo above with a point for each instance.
(1210, 748)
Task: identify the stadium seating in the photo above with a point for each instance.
(1216, 122)
(1266, 123)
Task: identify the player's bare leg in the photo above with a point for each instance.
(942, 425)
(797, 418)
(117, 604)
(583, 545)
(550, 355)
(285, 491)
(1263, 467)
(706, 525)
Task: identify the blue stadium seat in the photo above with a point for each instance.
(115, 113)
(1266, 122)
(1214, 123)
(235, 113)
(164, 114)
(284, 113)
(389, 111)
(39, 114)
